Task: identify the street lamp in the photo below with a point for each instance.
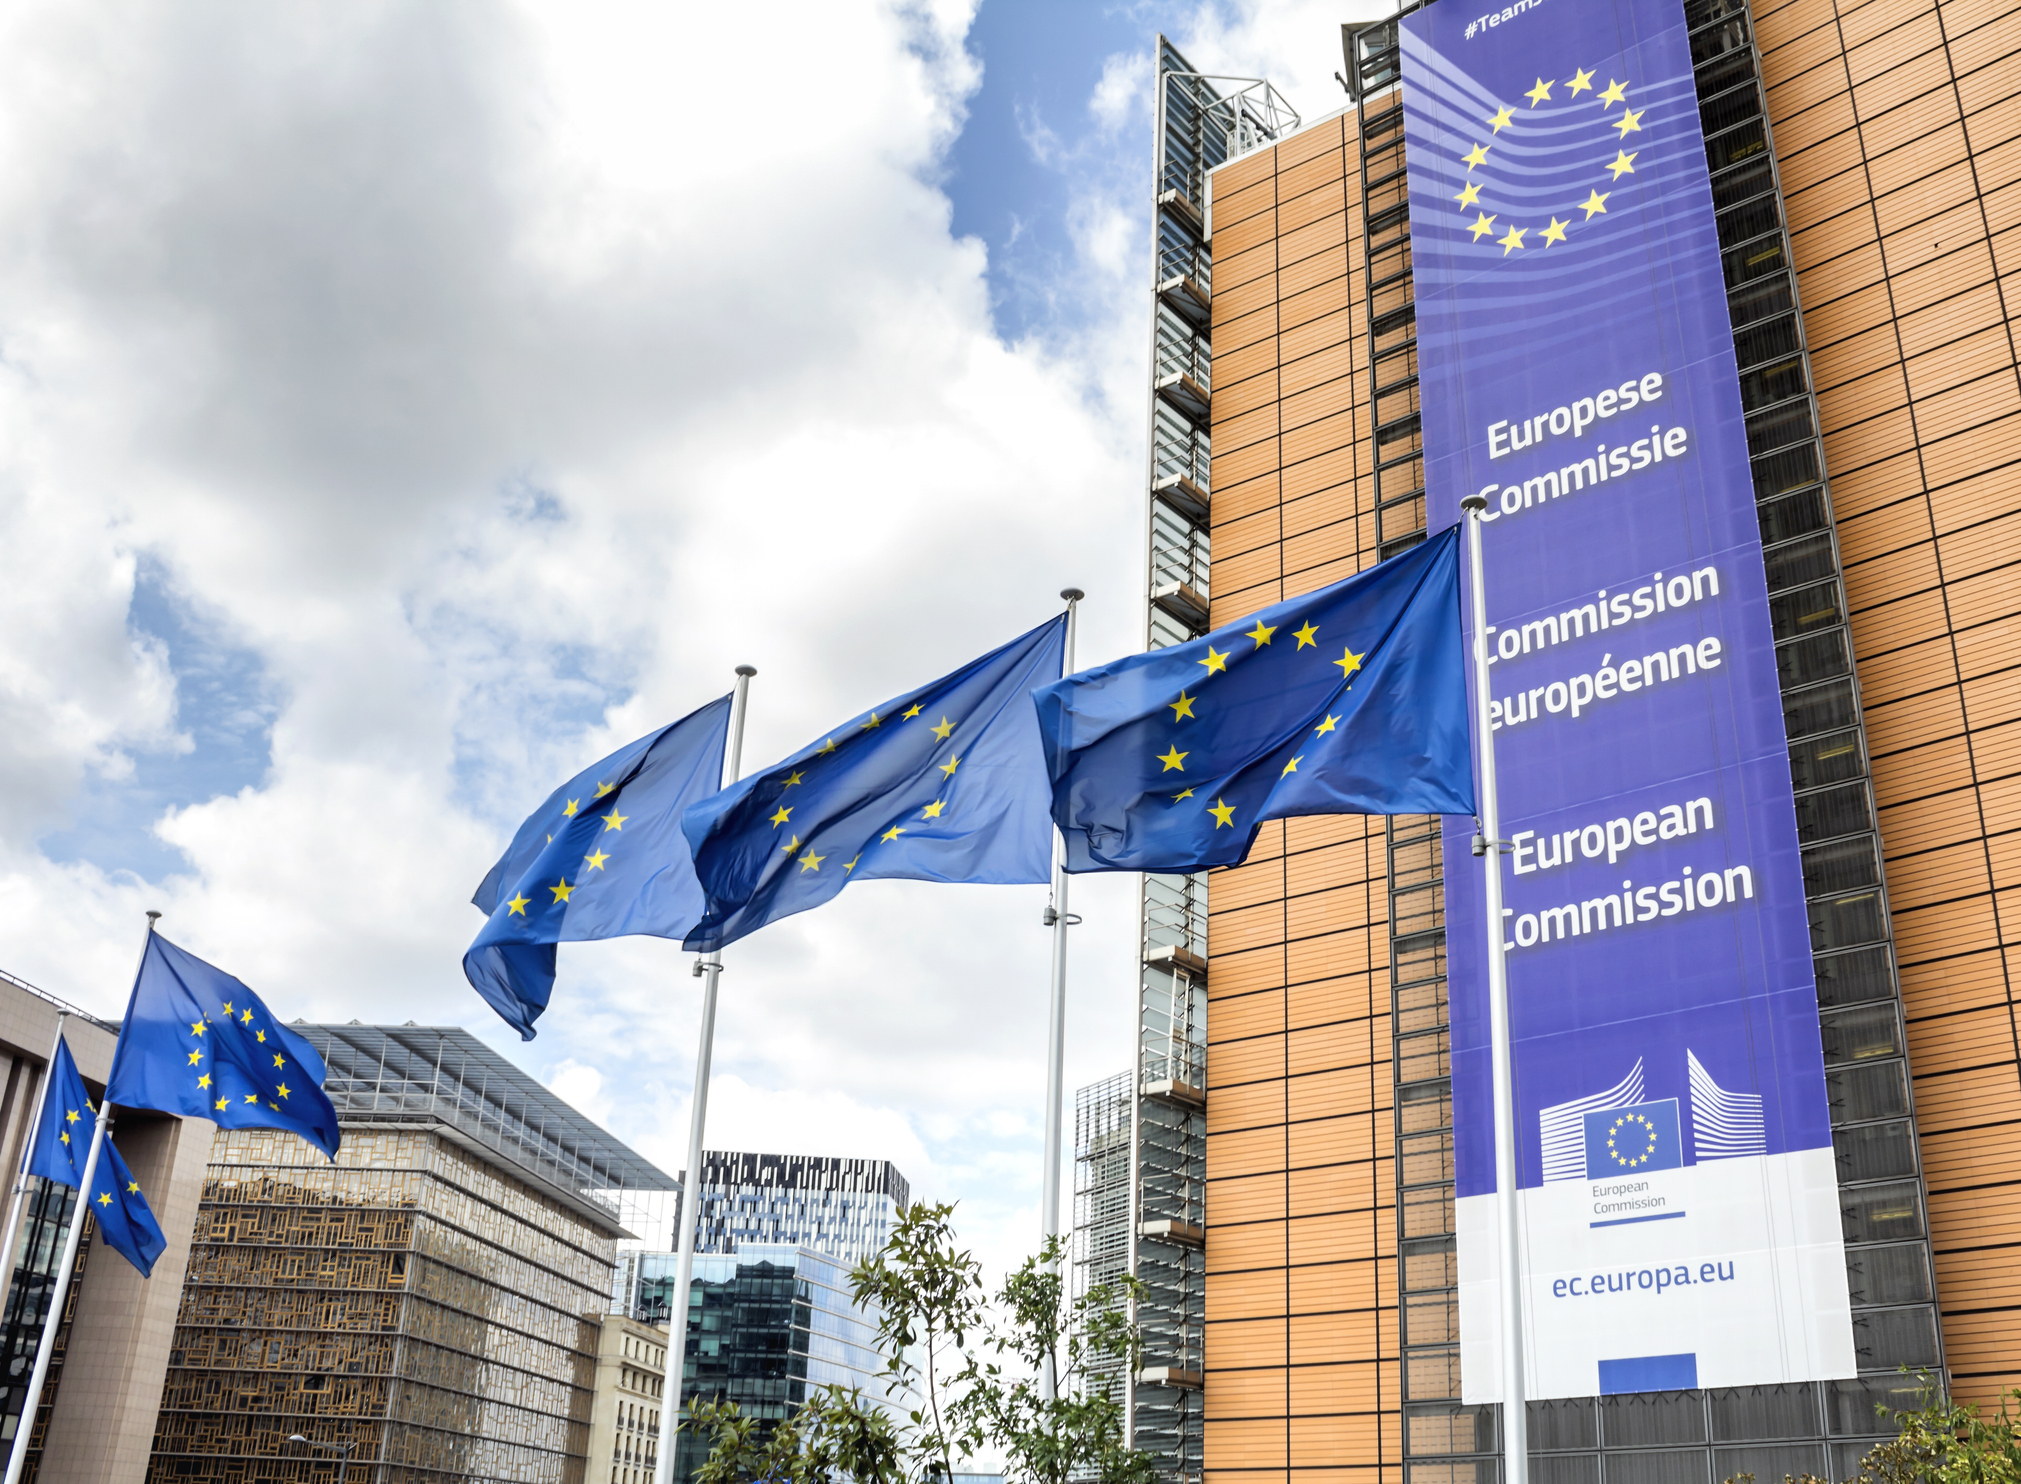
(342, 1450)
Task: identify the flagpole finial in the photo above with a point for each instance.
(747, 670)
(153, 916)
(1072, 594)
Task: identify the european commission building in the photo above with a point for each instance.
(1864, 165)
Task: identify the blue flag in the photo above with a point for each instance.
(62, 1145)
(944, 783)
(604, 857)
(199, 1043)
(1350, 700)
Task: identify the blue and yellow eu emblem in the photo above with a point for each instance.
(1349, 700)
(61, 1151)
(198, 1042)
(603, 857)
(944, 783)
(1633, 1140)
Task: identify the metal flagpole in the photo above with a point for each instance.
(1059, 920)
(710, 968)
(17, 1459)
(1509, 1264)
(34, 1127)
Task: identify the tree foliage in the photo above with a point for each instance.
(974, 1372)
(1940, 1442)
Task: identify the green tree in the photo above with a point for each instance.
(974, 1376)
(1940, 1442)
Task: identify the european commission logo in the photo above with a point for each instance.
(1506, 178)
(1634, 1140)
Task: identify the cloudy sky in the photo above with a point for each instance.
(402, 405)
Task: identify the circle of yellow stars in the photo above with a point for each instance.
(1173, 760)
(1595, 204)
(812, 861)
(244, 1024)
(1648, 1137)
(596, 860)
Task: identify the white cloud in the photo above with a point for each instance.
(499, 379)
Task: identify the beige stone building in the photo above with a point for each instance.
(631, 1368)
(97, 1411)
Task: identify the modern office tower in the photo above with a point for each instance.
(430, 1302)
(767, 1324)
(1101, 1238)
(1868, 183)
(105, 1380)
(843, 1207)
(624, 1424)
(1199, 122)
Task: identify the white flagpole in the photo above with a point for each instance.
(710, 967)
(1509, 1255)
(34, 1127)
(1060, 920)
(17, 1459)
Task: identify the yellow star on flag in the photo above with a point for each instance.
(204, 1081)
(893, 833)
(247, 1018)
(791, 845)
(827, 746)
(604, 788)
(104, 1199)
(260, 1036)
(781, 817)
(228, 1007)
(1513, 240)
(63, 1138)
(1484, 226)
(1186, 795)
(282, 1089)
(1223, 812)
(1624, 163)
(1630, 122)
(252, 1097)
(791, 779)
(944, 730)
(223, 1103)
(70, 1115)
(197, 1027)
(1503, 115)
(1183, 707)
(1325, 726)
(875, 721)
(1471, 196)
(1173, 759)
(279, 1060)
(1216, 661)
(615, 820)
(133, 1187)
(1595, 204)
(1541, 93)
(811, 862)
(1306, 635)
(561, 890)
(1555, 232)
(1349, 662)
(1582, 82)
(518, 906)
(1261, 633)
(1478, 155)
(851, 865)
(910, 714)
(595, 860)
(932, 811)
(1617, 92)
(195, 1057)
(950, 765)
(569, 809)
(1291, 767)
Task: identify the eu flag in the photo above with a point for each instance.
(198, 1042)
(604, 857)
(944, 783)
(62, 1145)
(1350, 700)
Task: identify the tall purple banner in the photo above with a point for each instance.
(1676, 1187)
